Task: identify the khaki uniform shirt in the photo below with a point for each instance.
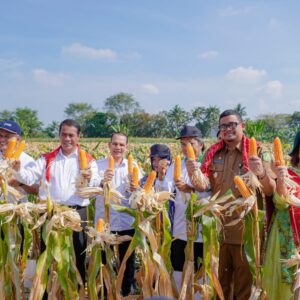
(225, 165)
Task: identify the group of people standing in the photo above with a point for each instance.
(56, 172)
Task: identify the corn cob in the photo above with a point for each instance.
(19, 150)
(100, 225)
(177, 167)
(278, 156)
(241, 186)
(252, 147)
(10, 148)
(111, 163)
(130, 164)
(190, 152)
(135, 176)
(83, 160)
(149, 182)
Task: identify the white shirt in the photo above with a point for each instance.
(64, 171)
(118, 221)
(179, 224)
(26, 161)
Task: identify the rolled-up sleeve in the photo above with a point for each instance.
(32, 173)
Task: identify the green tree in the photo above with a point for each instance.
(120, 104)
(207, 119)
(177, 118)
(29, 122)
(79, 112)
(6, 115)
(51, 130)
(99, 124)
(295, 121)
(241, 110)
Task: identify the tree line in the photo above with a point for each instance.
(121, 112)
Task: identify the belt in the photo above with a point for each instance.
(77, 207)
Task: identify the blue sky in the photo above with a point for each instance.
(191, 53)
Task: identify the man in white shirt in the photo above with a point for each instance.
(58, 172)
(8, 130)
(120, 223)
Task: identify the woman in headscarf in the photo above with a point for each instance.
(284, 237)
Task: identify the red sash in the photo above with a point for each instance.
(295, 211)
(218, 147)
(49, 158)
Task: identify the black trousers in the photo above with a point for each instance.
(128, 279)
(79, 243)
(178, 255)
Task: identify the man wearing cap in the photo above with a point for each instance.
(8, 130)
(182, 188)
(120, 223)
(223, 161)
(58, 172)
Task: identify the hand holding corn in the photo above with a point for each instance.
(191, 166)
(256, 166)
(162, 168)
(108, 176)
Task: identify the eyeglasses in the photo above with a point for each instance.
(231, 125)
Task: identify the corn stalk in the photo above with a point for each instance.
(56, 267)
(154, 276)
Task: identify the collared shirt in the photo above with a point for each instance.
(181, 201)
(64, 172)
(26, 161)
(118, 221)
(226, 164)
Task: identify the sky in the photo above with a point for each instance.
(191, 53)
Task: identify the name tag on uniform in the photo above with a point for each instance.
(218, 160)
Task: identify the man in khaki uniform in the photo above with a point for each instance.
(224, 160)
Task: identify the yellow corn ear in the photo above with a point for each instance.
(83, 160)
(130, 164)
(149, 182)
(278, 156)
(177, 167)
(111, 163)
(241, 186)
(19, 150)
(10, 148)
(100, 225)
(252, 147)
(135, 176)
(190, 152)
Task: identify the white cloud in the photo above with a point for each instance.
(150, 88)
(47, 78)
(245, 75)
(209, 54)
(230, 11)
(82, 51)
(274, 88)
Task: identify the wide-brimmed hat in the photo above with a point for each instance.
(189, 131)
(296, 144)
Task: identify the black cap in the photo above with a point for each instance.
(160, 150)
(189, 131)
(296, 144)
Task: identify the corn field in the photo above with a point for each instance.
(24, 225)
